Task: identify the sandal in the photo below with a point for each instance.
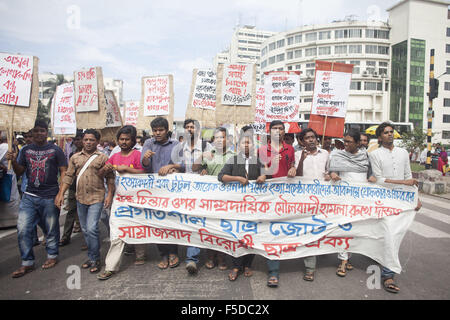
(342, 270)
(174, 261)
(309, 276)
(50, 263)
(221, 261)
(248, 272)
(23, 270)
(272, 282)
(234, 274)
(349, 266)
(139, 261)
(86, 264)
(95, 267)
(209, 264)
(105, 275)
(164, 264)
(390, 286)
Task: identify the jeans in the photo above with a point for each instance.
(89, 216)
(387, 273)
(192, 254)
(274, 267)
(31, 211)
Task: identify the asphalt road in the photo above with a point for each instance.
(423, 254)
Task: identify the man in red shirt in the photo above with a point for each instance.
(279, 159)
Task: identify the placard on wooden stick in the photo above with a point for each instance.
(157, 98)
(201, 105)
(92, 119)
(234, 114)
(22, 118)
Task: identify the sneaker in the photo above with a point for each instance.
(191, 267)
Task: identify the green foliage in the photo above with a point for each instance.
(415, 139)
(43, 112)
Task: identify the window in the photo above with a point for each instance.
(310, 65)
(242, 48)
(382, 64)
(377, 34)
(290, 41)
(324, 50)
(280, 57)
(383, 50)
(355, 62)
(290, 55)
(348, 33)
(271, 46)
(448, 32)
(447, 86)
(298, 53)
(447, 48)
(298, 38)
(323, 35)
(289, 68)
(280, 43)
(448, 68)
(264, 51)
(370, 85)
(445, 134)
(310, 72)
(340, 49)
(356, 70)
(264, 64)
(272, 60)
(307, 100)
(446, 102)
(382, 71)
(298, 66)
(309, 86)
(371, 48)
(355, 85)
(371, 63)
(311, 36)
(355, 48)
(307, 115)
(446, 118)
(242, 41)
(254, 42)
(310, 52)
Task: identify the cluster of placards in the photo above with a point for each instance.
(86, 90)
(112, 110)
(237, 84)
(331, 90)
(156, 96)
(63, 113)
(131, 113)
(16, 75)
(282, 91)
(204, 95)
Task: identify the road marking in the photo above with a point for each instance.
(434, 215)
(426, 231)
(434, 202)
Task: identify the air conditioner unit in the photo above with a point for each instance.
(375, 74)
(383, 75)
(365, 74)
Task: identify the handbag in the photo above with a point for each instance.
(5, 187)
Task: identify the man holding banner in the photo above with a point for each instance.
(391, 164)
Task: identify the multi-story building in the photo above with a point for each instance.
(47, 85)
(417, 27)
(363, 44)
(245, 47)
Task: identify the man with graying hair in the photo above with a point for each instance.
(390, 164)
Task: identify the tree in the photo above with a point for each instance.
(414, 139)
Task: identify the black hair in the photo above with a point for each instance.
(220, 129)
(363, 134)
(93, 132)
(304, 132)
(276, 122)
(195, 122)
(41, 124)
(381, 128)
(128, 129)
(159, 122)
(354, 134)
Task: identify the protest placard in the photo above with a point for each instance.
(284, 218)
(63, 110)
(113, 117)
(282, 89)
(235, 92)
(331, 91)
(94, 91)
(19, 91)
(202, 98)
(131, 113)
(157, 100)
(259, 126)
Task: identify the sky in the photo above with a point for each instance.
(135, 38)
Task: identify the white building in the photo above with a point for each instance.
(47, 82)
(417, 27)
(117, 87)
(245, 47)
(363, 44)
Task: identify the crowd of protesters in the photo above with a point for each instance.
(81, 181)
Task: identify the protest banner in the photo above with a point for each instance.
(235, 94)
(202, 98)
(90, 102)
(131, 113)
(331, 91)
(157, 100)
(63, 117)
(259, 125)
(282, 89)
(19, 91)
(284, 218)
(113, 117)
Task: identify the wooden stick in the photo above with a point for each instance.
(324, 128)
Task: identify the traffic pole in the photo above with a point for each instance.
(430, 110)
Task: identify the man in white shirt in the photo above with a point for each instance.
(390, 164)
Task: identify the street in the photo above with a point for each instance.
(423, 255)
